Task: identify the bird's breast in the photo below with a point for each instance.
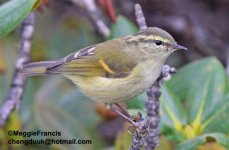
(112, 90)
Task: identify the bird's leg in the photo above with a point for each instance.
(121, 114)
(123, 109)
(135, 118)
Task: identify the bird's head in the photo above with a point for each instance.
(154, 41)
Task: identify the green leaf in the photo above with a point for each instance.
(219, 121)
(137, 102)
(62, 39)
(12, 13)
(194, 143)
(122, 27)
(85, 112)
(202, 85)
(50, 117)
(173, 114)
(60, 107)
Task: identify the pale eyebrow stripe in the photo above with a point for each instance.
(155, 38)
(149, 38)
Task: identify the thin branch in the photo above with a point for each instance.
(147, 134)
(140, 17)
(153, 116)
(139, 135)
(16, 90)
(94, 15)
(152, 107)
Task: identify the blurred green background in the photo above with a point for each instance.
(194, 103)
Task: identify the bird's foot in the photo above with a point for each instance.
(135, 121)
(139, 126)
(126, 116)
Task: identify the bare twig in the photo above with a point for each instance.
(140, 17)
(153, 116)
(94, 15)
(152, 107)
(139, 135)
(148, 132)
(15, 92)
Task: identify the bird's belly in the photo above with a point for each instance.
(112, 90)
(109, 90)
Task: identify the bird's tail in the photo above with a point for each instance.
(36, 68)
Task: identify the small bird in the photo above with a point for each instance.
(116, 70)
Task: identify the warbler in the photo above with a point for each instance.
(116, 70)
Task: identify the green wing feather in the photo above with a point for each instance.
(106, 60)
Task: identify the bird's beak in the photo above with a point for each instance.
(178, 47)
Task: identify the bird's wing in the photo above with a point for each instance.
(105, 60)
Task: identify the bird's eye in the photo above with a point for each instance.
(158, 42)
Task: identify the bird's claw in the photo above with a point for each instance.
(137, 126)
(138, 129)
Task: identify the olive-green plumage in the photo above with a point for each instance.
(115, 70)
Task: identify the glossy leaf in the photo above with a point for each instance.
(173, 114)
(211, 145)
(12, 13)
(200, 86)
(73, 39)
(80, 106)
(53, 118)
(122, 27)
(219, 121)
(194, 104)
(137, 102)
(194, 143)
(59, 107)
